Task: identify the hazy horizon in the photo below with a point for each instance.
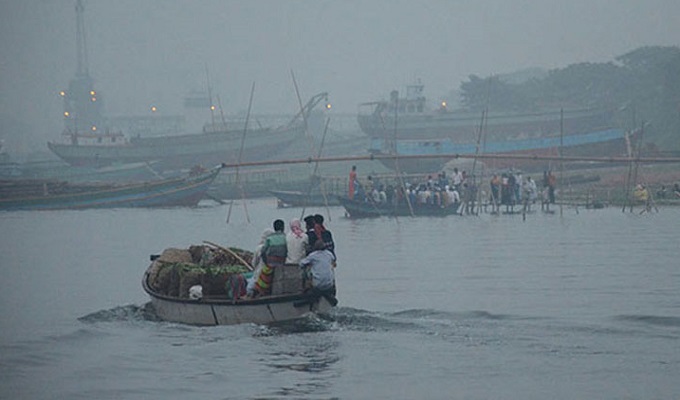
(154, 52)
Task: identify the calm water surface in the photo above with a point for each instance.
(582, 305)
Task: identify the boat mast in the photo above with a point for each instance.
(82, 104)
(240, 156)
(81, 41)
(396, 159)
(212, 106)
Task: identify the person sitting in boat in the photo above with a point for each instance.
(382, 195)
(296, 241)
(324, 234)
(317, 267)
(423, 194)
(375, 195)
(453, 198)
(359, 192)
(310, 233)
(273, 254)
(257, 262)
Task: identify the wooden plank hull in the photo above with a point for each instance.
(165, 193)
(300, 199)
(464, 126)
(361, 209)
(264, 310)
(608, 142)
(183, 151)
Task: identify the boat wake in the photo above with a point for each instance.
(129, 312)
(652, 320)
(339, 319)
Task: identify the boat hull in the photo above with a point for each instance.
(262, 311)
(601, 143)
(298, 199)
(361, 209)
(165, 193)
(183, 151)
(464, 126)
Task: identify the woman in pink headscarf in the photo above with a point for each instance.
(296, 240)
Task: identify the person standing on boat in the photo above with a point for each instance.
(273, 254)
(318, 270)
(457, 179)
(352, 179)
(495, 193)
(296, 241)
(552, 184)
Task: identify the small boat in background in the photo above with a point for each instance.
(292, 198)
(54, 195)
(368, 209)
(59, 170)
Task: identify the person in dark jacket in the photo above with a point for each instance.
(310, 232)
(323, 233)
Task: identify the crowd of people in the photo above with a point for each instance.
(510, 189)
(437, 192)
(312, 249)
(662, 193)
(457, 191)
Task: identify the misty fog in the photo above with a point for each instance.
(155, 52)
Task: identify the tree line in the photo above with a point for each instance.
(641, 86)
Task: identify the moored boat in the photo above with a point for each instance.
(294, 198)
(411, 117)
(407, 126)
(220, 274)
(602, 143)
(55, 195)
(212, 146)
(90, 139)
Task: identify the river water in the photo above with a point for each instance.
(574, 305)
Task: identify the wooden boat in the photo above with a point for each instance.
(53, 195)
(287, 302)
(293, 198)
(217, 143)
(607, 142)
(58, 170)
(407, 126)
(416, 120)
(367, 209)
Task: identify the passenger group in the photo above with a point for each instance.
(313, 250)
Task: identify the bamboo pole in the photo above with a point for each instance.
(245, 263)
(396, 164)
(316, 168)
(559, 152)
(240, 155)
(474, 161)
(488, 156)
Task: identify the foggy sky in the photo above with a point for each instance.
(154, 52)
